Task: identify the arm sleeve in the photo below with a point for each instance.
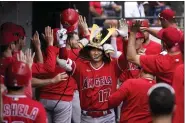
(49, 64)
(159, 34)
(148, 63)
(120, 95)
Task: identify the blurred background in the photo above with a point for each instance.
(33, 15)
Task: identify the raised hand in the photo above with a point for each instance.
(21, 57)
(136, 26)
(29, 57)
(83, 24)
(48, 36)
(35, 40)
(123, 28)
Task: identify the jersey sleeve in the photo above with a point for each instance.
(49, 64)
(148, 63)
(120, 95)
(41, 117)
(159, 34)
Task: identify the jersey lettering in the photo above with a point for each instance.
(20, 110)
(96, 82)
(104, 94)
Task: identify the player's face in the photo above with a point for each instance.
(74, 41)
(22, 43)
(146, 34)
(139, 42)
(96, 54)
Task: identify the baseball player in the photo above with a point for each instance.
(162, 66)
(133, 94)
(96, 77)
(133, 71)
(10, 37)
(161, 103)
(167, 19)
(17, 107)
(178, 85)
(151, 47)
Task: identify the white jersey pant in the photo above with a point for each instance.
(76, 109)
(110, 118)
(62, 112)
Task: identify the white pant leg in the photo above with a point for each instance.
(76, 109)
(62, 112)
(110, 118)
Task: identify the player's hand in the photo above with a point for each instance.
(83, 25)
(136, 26)
(123, 28)
(29, 57)
(48, 36)
(60, 77)
(36, 41)
(21, 57)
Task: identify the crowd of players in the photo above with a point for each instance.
(79, 70)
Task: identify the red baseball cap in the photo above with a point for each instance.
(139, 35)
(167, 14)
(145, 23)
(171, 36)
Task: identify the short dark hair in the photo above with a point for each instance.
(71, 35)
(161, 101)
(11, 88)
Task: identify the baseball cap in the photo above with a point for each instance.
(167, 14)
(139, 35)
(21, 31)
(171, 36)
(145, 23)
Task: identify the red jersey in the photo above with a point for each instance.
(153, 48)
(162, 66)
(37, 68)
(19, 108)
(96, 85)
(178, 85)
(133, 93)
(97, 6)
(65, 88)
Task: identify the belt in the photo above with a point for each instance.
(95, 114)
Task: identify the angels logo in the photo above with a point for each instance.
(96, 82)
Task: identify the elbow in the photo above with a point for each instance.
(129, 57)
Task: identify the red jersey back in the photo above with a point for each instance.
(4, 63)
(19, 108)
(162, 66)
(153, 48)
(178, 85)
(96, 85)
(133, 93)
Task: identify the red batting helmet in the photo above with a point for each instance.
(18, 74)
(69, 19)
(8, 33)
(21, 31)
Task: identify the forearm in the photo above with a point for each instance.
(41, 82)
(153, 32)
(131, 50)
(116, 54)
(39, 56)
